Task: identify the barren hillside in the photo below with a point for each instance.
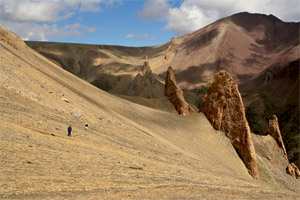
(246, 45)
(129, 151)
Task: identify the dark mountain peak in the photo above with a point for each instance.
(278, 34)
(250, 21)
(257, 16)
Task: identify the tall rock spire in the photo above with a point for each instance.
(175, 94)
(224, 108)
(144, 84)
(274, 131)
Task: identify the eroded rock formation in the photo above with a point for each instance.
(169, 48)
(293, 170)
(175, 94)
(274, 131)
(144, 84)
(147, 72)
(224, 108)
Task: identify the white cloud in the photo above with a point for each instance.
(141, 36)
(187, 19)
(192, 15)
(154, 9)
(153, 37)
(43, 11)
(37, 19)
(89, 6)
(129, 36)
(92, 29)
(43, 32)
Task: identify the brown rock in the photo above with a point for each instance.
(145, 65)
(297, 171)
(146, 71)
(274, 131)
(145, 85)
(169, 48)
(293, 170)
(290, 170)
(224, 108)
(175, 94)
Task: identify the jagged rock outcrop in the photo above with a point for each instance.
(175, 94)
(224, 108)
(274, 131)
(276, 90)
(169, 48)
(144, 84)
(293, 170)
(147, 72)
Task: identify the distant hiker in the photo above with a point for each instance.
(69, 130)
(86, 126)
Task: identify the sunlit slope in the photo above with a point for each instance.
(129, 151)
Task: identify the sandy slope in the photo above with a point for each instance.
(129, 151)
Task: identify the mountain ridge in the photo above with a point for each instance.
(183, 59)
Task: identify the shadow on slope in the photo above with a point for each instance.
(276, 91)
(278, 34)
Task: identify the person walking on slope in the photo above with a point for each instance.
(69, 130)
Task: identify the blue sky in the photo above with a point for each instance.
(118, 24)
(126, 22)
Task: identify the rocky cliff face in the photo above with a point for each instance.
(175, 94)
(274, 131)
(224, 108)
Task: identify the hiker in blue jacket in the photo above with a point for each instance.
(69, 130)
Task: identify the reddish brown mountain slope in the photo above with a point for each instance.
(243, 44)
